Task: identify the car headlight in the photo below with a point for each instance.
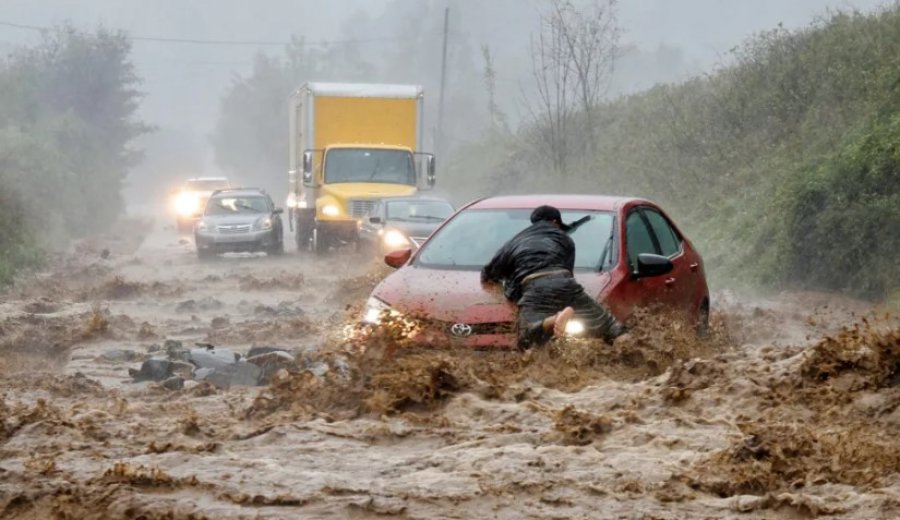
(330, 210)
(375, 311)
(201, 226)
(264, 224)
(574, 328)
(394, 238)
(186, 204)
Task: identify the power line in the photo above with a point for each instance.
(194, 41)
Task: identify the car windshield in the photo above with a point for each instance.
(418, 210)
(369, 165)
(206, 185)
(236, 205)
(471, 238)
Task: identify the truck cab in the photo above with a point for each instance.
(351, 145)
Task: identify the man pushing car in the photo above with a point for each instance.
(535, 268)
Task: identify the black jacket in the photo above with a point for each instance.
(540, 247)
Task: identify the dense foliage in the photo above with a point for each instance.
(783, 166)
(67, 116)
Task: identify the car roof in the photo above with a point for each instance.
(582, 202)
(414, 198)
(241, 192)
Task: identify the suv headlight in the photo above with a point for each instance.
(263, 224)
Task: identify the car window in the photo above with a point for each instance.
(637, 237)
(669, 243)
(471, 238)
(237, 205)
(418, 211)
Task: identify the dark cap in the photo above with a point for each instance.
(548, 213)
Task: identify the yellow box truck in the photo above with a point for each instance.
(351, 144)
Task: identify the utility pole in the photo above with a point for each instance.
(439, 145)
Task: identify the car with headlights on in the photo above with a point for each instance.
(401, 222)
(629, 255)
(239, 220)
(189, 200)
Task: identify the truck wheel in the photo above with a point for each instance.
(319, 242)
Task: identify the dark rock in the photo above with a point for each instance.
(152, 370)
(173, 383)
(270, 363)
(235, 374)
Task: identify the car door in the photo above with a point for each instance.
(632, 293)
(678, 282)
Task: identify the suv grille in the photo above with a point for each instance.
(225, 230)
(359, 208)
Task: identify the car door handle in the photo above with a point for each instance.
(694, 266)
(670, 281)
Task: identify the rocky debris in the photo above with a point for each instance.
(208, 356)
(219, 322)
(271, 362)
(174, 383)
(119, 356)
(156, 369)
(240, 373)
(205, 304)
(283, 309)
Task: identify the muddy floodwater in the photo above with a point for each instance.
(790, 409)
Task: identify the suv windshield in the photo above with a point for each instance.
(418, 210)
(369, 165)
(470, 239)
(236, 205)
(206, 185)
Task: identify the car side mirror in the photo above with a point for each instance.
(375, 220)
(649, 265)
(278, 211)
(398, 258)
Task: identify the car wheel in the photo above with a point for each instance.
(703, 320)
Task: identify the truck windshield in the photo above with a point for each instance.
(369, 165)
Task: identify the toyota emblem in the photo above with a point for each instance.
(461, 330)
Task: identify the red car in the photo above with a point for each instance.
(629, 255)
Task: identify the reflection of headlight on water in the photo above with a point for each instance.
(574, 328)
(394, 238)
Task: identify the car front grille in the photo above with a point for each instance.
(230, 230)
(359, 208)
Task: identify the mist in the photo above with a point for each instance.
(183, 81)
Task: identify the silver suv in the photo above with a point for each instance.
(236, 220)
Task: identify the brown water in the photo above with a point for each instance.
(789, 409)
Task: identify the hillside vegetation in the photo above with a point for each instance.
(67, 111)
(784, 167)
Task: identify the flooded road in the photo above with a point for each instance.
(790, 409)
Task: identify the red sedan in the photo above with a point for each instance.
(629, 254)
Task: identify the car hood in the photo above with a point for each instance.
(233, 220)
(413, 229)
(457, 296)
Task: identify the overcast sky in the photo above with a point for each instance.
(183, 82)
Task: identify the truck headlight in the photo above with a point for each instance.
(394, 238)
(330, 210)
